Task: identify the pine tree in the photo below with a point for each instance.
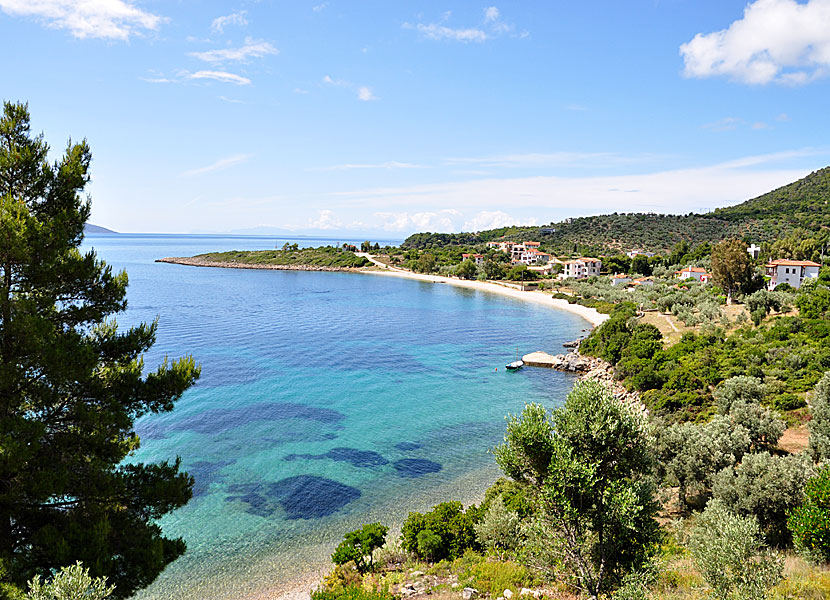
(72, 385)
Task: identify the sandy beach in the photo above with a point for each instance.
(589, 314)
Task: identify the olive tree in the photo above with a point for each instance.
(820, 424)
(595, 521)
(765, 487)
(730, 554)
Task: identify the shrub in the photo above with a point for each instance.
(690, 455)
(741, 388)
(820, 423)
(764, 428)
(730, 555)
(513, 494)
(359, 544)
(601, 448)
(788, 401)
(495, 577)
(765, 487)
(351, 592)
(447, 521)
(500, 530)
(810, 523)
(71, 583)
(429, 544)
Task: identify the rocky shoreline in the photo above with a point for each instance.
(588, 367)
(199, 262)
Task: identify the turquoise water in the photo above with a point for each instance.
(326, 400)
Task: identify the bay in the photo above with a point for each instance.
(327, 400)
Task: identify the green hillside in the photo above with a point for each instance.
(802, 205)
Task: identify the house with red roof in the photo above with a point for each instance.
(691, 272)
(793, 272)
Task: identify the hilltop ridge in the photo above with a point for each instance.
(801, 205)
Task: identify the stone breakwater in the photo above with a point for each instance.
(200, 262)
(588, 367)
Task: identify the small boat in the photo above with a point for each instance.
(516, 364)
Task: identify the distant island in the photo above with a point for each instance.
(90, 228)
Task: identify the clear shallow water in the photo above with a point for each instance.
(326, 400)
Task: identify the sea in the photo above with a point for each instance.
(326, 400)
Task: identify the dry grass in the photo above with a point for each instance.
(795, 439)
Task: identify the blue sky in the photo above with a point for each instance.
(393, 117)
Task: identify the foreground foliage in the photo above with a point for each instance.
(71, 583)
(595, 521)
(810, 522)
(72, 385)
(730, 554)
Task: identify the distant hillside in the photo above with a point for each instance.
(800, 205)
(90, 228)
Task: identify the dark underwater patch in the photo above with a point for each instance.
(358, 458)
(301, 497)
(224, 419)
(415, 467)
(204, 473)
(407, 446)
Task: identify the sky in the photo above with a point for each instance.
(332, 117)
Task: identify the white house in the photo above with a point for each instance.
(643, 281)
(580, 268)
(793, 272)
(619, 279)
(690, 272)
(476, 258)
(633, 253)
(754, 251)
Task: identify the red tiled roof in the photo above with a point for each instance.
(785, 262)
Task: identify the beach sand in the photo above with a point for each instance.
(544, 298)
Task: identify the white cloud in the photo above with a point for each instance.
(783, 117)
(760, 125)
(390, 164)
(320, 7)
(491, 27)
(222, 76)
(219, 165)
(441, 220)
(435, 31)
(780, 41)
(236, 18)
(725, 124)
(551, 159)
(326, 219)
(365, 94)
(251, 49)
(106, 19)
(231, 100)
(336, 82)
(300, 91)
(671, 191)
(491, 219)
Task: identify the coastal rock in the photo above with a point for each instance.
(469, 593)
(416, 574)
(408, 589)
(525, 592)
(507, 594)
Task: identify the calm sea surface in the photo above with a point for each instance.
(327, 400)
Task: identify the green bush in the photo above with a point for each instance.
(765, 487)
(820, 423)
(500, 530)
(810, 523)
(731, 556)
(450, 523)
(788, 401)
(360, 544)
(351, 592)
(494, 577)
(70, 583)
